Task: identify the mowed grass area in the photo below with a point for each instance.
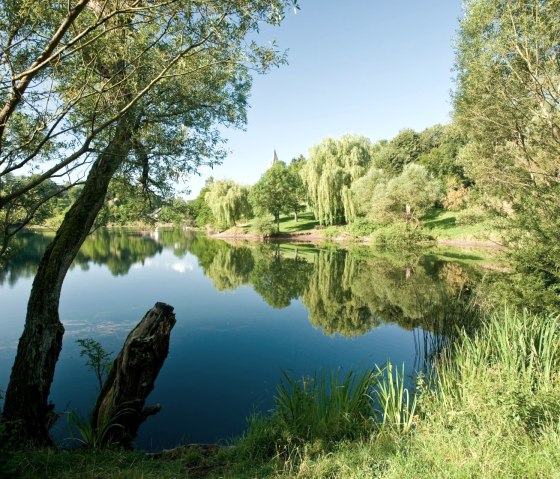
(492, 410)
(306, 222)
(458, 225)
(439, 223)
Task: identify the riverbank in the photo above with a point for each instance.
(492, 410)
(438, 227)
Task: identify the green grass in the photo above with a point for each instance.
(491, 409)
(306, 222)
(448, 225)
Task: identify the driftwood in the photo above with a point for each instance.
(119, 410)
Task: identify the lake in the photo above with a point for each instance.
(245, 313)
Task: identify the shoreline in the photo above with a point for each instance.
(319, 238)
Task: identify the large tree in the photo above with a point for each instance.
(128, 87)
(328, 174)
(508, 103)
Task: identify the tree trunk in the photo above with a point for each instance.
(119, 410)
(26, 408)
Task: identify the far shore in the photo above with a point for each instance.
(317, 237)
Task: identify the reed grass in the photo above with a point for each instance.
(397, 405)
(326, 406)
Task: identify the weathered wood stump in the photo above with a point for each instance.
(119, 410)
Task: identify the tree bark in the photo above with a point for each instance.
(26, 408)
(120, 406)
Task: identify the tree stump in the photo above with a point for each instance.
(119, 410)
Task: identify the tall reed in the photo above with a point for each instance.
(325, 407)
(397, 405)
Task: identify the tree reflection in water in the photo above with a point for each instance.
(346, 291)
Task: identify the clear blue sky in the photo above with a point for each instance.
(369, 67)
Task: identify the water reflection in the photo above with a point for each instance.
(346, 292)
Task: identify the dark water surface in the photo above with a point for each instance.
(244, 314)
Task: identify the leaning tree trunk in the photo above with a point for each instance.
(119, 410)
(26, 408)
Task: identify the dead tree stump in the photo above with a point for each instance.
(119, 410)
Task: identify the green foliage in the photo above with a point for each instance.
(7, 468)
(441, 146)
(363, 189)
(508, 103)
(405, 196)
(98, 360)
(264, 226)
(321, 409)
(90, 436)
(277, 191)
(177, 212)
(228, 201)
(328, 175)
(399, 152)
(199, 211)
(361, 227)
(397, 408)
(398, 234)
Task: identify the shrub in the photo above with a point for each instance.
(264, 226)
(398, 234)
(361, 227)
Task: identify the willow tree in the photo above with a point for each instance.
(105, 88)
(228, 201)
(328, 174)
(508, 103)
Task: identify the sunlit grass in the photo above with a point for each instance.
(447, 225)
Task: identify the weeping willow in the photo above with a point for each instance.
(228, 202)
(328, 175)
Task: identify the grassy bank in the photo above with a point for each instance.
(436, 225)
(490, 409)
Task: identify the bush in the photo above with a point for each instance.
(361, 227)
(398, 234)
(264, 226)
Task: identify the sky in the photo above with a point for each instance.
(367, 67)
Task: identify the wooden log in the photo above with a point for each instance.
(119, 410)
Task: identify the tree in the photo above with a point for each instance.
(405, 148)
(136, 89)
(363, 188)
(296, 166)
(329, 172)
(405, 196)
(200, 212)
(507, 102)
(276, 192)
(228, 201)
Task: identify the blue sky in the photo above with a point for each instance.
(369, 67)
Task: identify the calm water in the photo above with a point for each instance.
(244, 313)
